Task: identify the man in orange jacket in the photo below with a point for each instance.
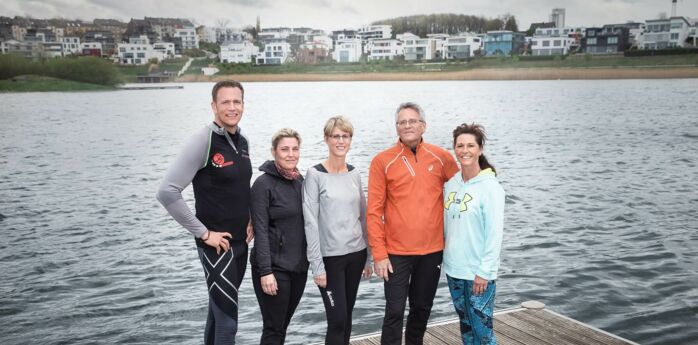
(405, 223)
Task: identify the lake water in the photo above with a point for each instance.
(601, 214)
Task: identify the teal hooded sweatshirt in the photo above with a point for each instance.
(473, 226)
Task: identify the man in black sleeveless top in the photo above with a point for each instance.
(216, 162)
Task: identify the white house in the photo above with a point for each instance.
(238, 52)
(137, 53)
(71, 45)
(461, 46)
(275, 52)
(665, 33)
(417, 48)
(347, 50)
(384, 49)
(51, 49)
(368, 32)
(166, 48)
(555, 41)
(439, 41)
(189, 38)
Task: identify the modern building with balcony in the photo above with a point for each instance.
(418, 49)
(666, 33)
(605, 41)
(275, 53)
(347, 50)
(461, 47)
(238, 52)
(504, 42)
(384, 49)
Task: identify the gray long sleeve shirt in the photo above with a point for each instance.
(334, 208)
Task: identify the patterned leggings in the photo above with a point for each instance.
(475, 311)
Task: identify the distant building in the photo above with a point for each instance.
(418, 49)
(347, 50)
(138, 52)
(188, 38)
(91, 49)
(368, 32)
(71, 45)
(504, 42)
(666, 33)
(555, 41)
(600, 41)
(50, 50)
(275, 53)
(315, 51)
(166, 48)
(557, 16)
(462, 46)
(634, 37)
(105, 38)
(384, 49)
(238, 52)
(22, 48)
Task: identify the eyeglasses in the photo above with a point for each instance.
(411, 122)
(337, 137)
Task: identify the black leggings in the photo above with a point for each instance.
(343, 278)
(416, 276)
(278, 310)
(224, 274)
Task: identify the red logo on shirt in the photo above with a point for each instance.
(218, 161)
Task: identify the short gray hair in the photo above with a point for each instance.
(413, 106)
(284, 133)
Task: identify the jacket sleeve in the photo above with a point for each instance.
(311, 212)
(493, 222)
(260, 198)
(362, 216)
(376, 210)
(180, 174)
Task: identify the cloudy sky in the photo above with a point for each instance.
(331, 14)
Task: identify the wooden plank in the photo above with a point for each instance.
(505, 340)
(449, 333)
(580, 328)
(546, 329)
(542, 333)
(501, 328)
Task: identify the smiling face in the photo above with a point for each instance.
(410, 127)
(467, 150)
(228, 108)
(338, 142)
(287, 152)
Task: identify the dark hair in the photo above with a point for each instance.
(479, 132)
(226, 83)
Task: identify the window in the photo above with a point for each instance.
(613, 40)
(546, 43)
(534, 43)
(591, 33)
(591, 41)
(557, 43)
(675, 36)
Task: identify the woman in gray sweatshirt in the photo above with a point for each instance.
(334, 208)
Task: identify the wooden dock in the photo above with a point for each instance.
(531, 324)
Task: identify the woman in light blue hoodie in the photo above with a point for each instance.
(473, 224)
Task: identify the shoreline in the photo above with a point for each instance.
(540, 73)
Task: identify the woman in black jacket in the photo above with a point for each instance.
(278, 259)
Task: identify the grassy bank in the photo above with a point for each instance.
(34, 83)
(506, 62)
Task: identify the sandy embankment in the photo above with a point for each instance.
(476, 74)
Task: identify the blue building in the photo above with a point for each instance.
(504, 42)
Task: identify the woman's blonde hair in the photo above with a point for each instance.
(284, 133)
(340, 122)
